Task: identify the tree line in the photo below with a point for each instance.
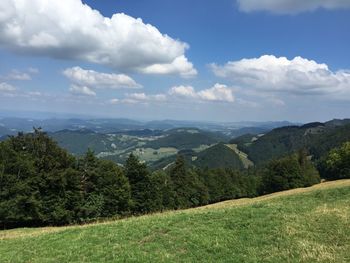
(42, 184)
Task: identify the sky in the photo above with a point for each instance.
(227, 60)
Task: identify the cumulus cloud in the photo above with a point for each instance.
(290, 6)
(279, 74)
(180, 64)
(183, 91)
(218, 92)
(69, 29)
(5, 87)
(82, 90)
(96, 80)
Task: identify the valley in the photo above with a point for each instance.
(158, 143)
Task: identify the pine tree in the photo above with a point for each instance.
(140, 184)
(189, 190)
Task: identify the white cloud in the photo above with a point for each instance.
(5, 87)
(183, 91)
(144, 97)
(81, 90)
(218, 92)
(298, 76)
(69, 29)
(180, 64)
(96, 80)
(18, 75)
(114, 101)
(290, 6)
(177, 94)
(139, 98)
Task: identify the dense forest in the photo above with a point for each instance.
(317, 138)
(42, 184)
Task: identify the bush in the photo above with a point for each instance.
(289, 172)
(336, 165)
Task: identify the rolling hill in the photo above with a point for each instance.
(218, 156)
(149, 145)
(300, 225)
(186, 138)
(317, 137)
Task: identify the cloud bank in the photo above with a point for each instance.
(178, 94)
(298, 76)
(69, 29)
(290, 6)
(219, 93)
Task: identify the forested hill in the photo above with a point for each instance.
(218, 156)
(317, 138)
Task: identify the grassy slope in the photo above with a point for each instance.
(302, 225)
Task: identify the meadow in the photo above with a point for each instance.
(301, 225)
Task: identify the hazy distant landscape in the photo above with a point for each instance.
(155, 142)
(158, 142)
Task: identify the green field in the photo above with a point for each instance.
(301, 225)
(151, 155)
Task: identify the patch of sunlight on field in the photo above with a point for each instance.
(151, 155)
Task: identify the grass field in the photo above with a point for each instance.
(301, 225)
(151, 155)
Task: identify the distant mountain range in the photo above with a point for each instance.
(213, 145)
(9, 126)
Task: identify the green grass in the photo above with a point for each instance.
(301, 225)
(152, 155)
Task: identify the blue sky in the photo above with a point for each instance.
(222, 60)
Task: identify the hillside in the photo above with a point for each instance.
(218, 156)
(318, 138)
(185, 138)
(78, 142)
(150, 146)
(301, 225)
